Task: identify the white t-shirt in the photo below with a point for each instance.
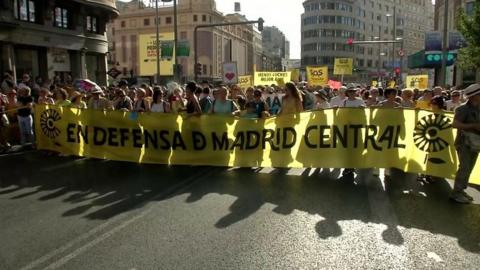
(321, 106)
(452, 106)
(357, 102)
(158, 107)
(337, 101)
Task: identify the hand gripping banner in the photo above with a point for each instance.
(411, 140)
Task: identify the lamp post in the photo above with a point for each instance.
(157, 42)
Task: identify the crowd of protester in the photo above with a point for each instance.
(18, 99)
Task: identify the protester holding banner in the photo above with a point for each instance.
(97, 102)
(292, 101)
(44, 97)
(24, 114)
(455, 101)
(61, 98)
(160, 105)
(223, 105)
(423, 102)
(337, 101)
(122, 102)
(176, 100)
(77, 100)
(141, 104)
(193, 107)
(352, 101)
(390, 101)
(467, 143)
(407, 99)
(321, 101)
(205, 100)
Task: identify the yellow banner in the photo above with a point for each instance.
(269, 78)
(317, 76)
(417, 81)
(148, 55)
(343, 66)
(245, 81)
(295, 75)
(412, 140)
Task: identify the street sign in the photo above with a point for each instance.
(113, 72)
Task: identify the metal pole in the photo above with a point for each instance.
(175, 37)
(379, 54)
(443, 69)
(157, 42)
(394, 38)
(195, 48)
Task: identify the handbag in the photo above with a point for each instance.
(472, 140)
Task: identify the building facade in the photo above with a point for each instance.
(276, 48)
(241, 44)
(455, 75)
(53, 38)
(327, 25)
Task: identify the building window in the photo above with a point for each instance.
(183, 35)
(195, 18)
(469, 8)
(204, 18)
(146, 22)
(92, 25)
(168, 20)
(61, 17)
(122, 24)
(24, 10)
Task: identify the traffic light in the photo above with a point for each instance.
(397, 71)
(260, 24)
(198, 68)
(350, 41)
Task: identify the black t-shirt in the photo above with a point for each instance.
(24, 112)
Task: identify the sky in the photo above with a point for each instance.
(284, 14)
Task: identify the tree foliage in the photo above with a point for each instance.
(469, 26)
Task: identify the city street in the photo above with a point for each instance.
(77, 213)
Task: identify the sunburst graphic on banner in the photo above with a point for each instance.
(427, 133)
(47, 123)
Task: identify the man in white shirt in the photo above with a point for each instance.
(454, 102)
(338, 100)
(352, 101)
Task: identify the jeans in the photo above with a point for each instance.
(25, 125)
(467, 159)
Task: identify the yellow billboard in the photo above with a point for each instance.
(148, 55)
(317, 76)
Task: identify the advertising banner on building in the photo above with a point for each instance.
(414, 141)
(343, 66)
(147, 58)
(317, 76)
(269, 78)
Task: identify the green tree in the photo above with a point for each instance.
(469, 26)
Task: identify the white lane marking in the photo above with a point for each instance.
(434, 256)
(102, 226)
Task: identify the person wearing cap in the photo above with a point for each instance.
(352, 101)
(77, 100)
(97, 102)
(338, 100)
(467, 142)
(44, 97)
(321, 100)
(454, 102)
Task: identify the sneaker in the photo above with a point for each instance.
(470, 198)
(459, 198)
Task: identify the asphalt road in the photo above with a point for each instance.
(73, 213)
